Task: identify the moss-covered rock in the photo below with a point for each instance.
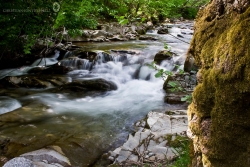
(219, 117)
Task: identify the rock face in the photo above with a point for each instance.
(153, 140)
(219, 115)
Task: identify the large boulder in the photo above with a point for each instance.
(89, 85)
(219, 116)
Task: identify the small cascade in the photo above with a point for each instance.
(77, 63)
(68, 54)
(44, 62)
(103, 57)
(145, 73)
(47, 61)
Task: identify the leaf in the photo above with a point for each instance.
(158, 75)
(187, 98)
(172, 84)
(139, 12)
(172, 89)
(168, 73)
(143, 19)
(184, 98)
(180, 88)
(123, 22)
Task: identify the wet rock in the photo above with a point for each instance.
(23, 81)
(163, 55)
(162, 30)
(180, 36)
(46, 157)
(146, 37)
(174, 98)
(19, 162)
(89, 85)
(31, 81)
(118, 38)
(125, 51)
(90, 55)
(141, 28)
(55, 69)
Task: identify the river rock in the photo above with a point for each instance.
(118, 38)
(54, 69)
(163, 55)
(150, 141)
(147, 37)
(90, 55)
(132, 52)
(162, 30)
(112, 32)
(31, 81)
(45, 157)
(19, 162)
(89, 85)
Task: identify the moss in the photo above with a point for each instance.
(221, 48)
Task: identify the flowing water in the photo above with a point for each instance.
(85, 127)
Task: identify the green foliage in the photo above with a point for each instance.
(187, 98)
(166, 46)
(26, 21)
(122, 20)
(181, 148)
(175, 85)
(75, 15)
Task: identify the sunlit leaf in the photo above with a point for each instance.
(123, 22)
(172, 84)
(158, 75)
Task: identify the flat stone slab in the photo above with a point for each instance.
(151, 141)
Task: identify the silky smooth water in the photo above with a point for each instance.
(87, 126)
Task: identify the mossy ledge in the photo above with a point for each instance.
(219, 117)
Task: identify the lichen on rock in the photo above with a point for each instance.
(220, 113)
